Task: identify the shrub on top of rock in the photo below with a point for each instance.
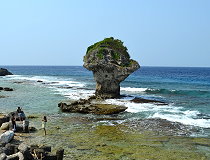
(108, 49)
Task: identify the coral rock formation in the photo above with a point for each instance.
(111, 64)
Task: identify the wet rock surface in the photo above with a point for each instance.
(142, 100)
(6, 89)
(86, 106)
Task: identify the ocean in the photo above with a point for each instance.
(178, 130)
(185, 89)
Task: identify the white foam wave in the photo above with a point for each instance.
(49, 80)
(141, 107)
(130, 89)
(74, 94)
(59, 85)
(169, 112)
(68, 83)
(28, 78)
(184, 119)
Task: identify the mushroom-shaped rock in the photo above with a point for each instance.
(111, 64)
(4, 72)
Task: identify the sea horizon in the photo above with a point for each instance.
(82, 66)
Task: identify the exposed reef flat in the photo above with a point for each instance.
(84, 138)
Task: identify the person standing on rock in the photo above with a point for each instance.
(44, 121)
(13, 120)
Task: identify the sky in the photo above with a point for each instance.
(58, 32)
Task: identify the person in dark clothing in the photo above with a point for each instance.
(13, 120)
(20, 114)
(19, 110)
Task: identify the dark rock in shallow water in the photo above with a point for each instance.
(4, 72)
(18, 82)
(85, 106)
(142, 100)
(65, 87)
(8, 89)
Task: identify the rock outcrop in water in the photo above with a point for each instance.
(4, 72)
(90, 106)
(111, 64)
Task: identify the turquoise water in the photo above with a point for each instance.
(186, 90)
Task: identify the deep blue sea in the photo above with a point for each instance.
(186, 90)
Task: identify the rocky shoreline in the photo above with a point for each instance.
(11, 148)
(94, 137)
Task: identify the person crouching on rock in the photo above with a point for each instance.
(44, 121)
(13, 120)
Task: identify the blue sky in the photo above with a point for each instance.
(58, 32)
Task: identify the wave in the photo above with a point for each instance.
(130, 89)
(186, 119)
(179, 92)
(74, 94)
(49, 80)
(200, 93)
(168, 112)
(64, 86)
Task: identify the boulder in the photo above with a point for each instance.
(3, 156)
(111, 64)
(4, 72)
(7, 136)
(5, 126)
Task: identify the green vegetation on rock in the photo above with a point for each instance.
(109, 43)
